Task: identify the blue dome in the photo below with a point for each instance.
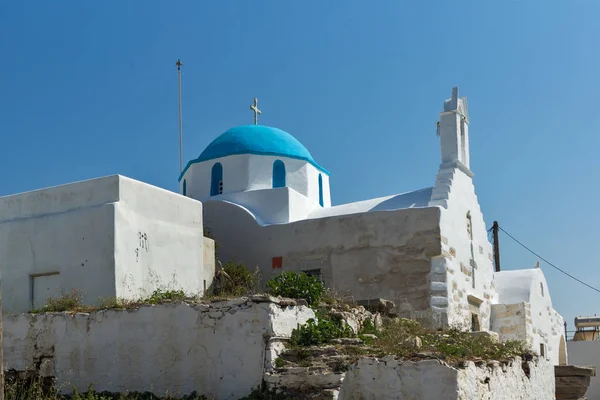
(255, 139)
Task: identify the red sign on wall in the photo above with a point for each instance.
(277, 262)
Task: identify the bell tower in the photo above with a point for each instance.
(453, 129)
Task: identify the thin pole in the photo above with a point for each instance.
(179, 64)
(1, 353)
(496, 246)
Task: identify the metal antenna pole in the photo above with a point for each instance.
(179, 64)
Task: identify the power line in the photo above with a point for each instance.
(548, 262)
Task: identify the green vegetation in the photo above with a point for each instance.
(159, 296)
(453, 345)
(408, 339)
(34, 389)
(297, 286)
(238, 280)
(320, 331)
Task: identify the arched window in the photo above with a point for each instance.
(320, 190)
(184, 187)
(216, 180)
(542, 288)
(278, 174)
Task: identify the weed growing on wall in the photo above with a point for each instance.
(161, 296)
(67, 301)
(35, 389)
(235, 280)
(296, 286)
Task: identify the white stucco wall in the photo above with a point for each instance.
(248, 172)
(217, 350)
(465, 258)
(543, 324)
(106, 237)
(374, 379)
(158, 242)
(587, 353)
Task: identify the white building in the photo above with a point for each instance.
(267, 203)
(106, 237)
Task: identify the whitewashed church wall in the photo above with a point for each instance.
(216, 350)
(544, 325)
(248, 172)
(387, 378)
(384, 254)
(158, 242)
(470, 285)
(47, 254)
(198, 176)
(587, 353)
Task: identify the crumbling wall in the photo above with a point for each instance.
(216, 349)
(388, 378)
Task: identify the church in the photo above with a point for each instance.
(259, 193)
(267, 204)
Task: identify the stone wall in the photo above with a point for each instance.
(388, 378)
(379, 254)
(216, 349)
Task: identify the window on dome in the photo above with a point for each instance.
(278, 174)
(216, 181)
(184, 187)
(320, 190)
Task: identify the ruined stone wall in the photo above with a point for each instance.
(380, 254)
(513, 322)
(388, 378)
(216, 349)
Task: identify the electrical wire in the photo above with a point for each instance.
(548, 262)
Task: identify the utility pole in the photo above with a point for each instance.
(496, 246)
(1, 353)
(178, 64)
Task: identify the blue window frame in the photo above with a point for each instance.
(278, 174)
(320, 190)
(216, 180)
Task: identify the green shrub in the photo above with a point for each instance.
(314, 333)
(296, 286)
(238, 280)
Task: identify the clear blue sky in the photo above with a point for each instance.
(89, 89)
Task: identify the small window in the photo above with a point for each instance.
(542, 350)
(320, 190)
(184, 187)
(542, 288)
(278, 174)
(216, 179)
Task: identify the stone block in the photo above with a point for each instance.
(574, 370)
(377, 305)
(493, 336)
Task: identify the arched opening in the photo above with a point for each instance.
(562, 352)
(278, 174)
(320, 190)
(184, 187)
(216, 180)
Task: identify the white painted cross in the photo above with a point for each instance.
(257, 112)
